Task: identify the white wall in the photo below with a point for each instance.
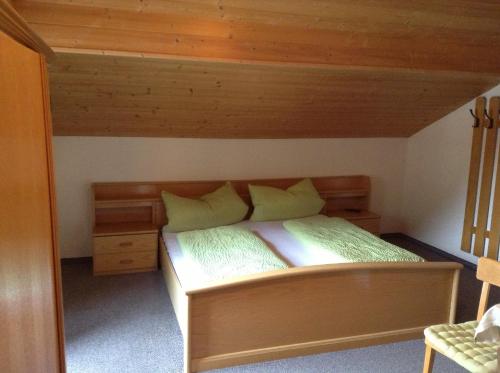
(435, 185)
(419, 184)
(82, 160)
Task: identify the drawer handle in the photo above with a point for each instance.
(125, 244)
(126, 261)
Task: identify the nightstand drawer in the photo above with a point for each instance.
(370, 225)
(125, 244)
(125, 262)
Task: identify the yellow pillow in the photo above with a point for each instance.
(222, 207)
(300, 200)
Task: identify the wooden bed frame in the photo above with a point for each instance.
(296, 311)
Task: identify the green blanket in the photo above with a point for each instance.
(228, 251)
(345, 241)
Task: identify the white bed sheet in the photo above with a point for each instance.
(275, 235)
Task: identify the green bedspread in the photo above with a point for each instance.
(346, 242)
(228, 251)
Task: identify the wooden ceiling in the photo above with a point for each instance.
(106, 95)
(264, 69)
(462, 35)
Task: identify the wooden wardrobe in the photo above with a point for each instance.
(32, 337)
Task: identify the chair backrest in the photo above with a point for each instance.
(488, 271)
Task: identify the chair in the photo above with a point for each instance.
(456, 341)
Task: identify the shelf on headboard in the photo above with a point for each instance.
(124, 228)
(355, 215)
(114, 203)
(140, 202)
(111, 202)
(346, 193)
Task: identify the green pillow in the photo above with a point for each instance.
(301, 199)
(221, 207)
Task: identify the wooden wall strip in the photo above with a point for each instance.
(494, 236)
(474, 170)
(494, 242)
(29, 309)
(53, 208)
(486, 182)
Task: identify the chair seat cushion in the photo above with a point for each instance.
(456, 341)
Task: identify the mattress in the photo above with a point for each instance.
(348, 242)
(226, 252)
(285, 246)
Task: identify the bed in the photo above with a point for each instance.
(305, 309)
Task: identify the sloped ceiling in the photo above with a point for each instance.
(264, 69)
(106, 95)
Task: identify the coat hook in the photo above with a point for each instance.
(476, 119)
(490, 119)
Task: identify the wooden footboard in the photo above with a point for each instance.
(310, 310)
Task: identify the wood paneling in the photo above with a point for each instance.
(132, 96)
(485, 161)
(494, 233)
(53, 210)
(483, 209)
(125, 243)
(456, 35)
(177, 295)
(125, 262)
(474, 172)
(488, 270)
(264, 69)
(340, 192)
(275, 310)
(30, 310)
(14, 25)
(124, 251)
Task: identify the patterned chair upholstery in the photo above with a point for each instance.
(457, 342)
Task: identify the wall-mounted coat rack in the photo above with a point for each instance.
(482, 209)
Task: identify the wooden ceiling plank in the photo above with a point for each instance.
(135, 96)
(474, 14)
(440, 55)
(461, 32)
(152, 59)
(180, 23)
(261, 69)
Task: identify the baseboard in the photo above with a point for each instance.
(444, 254)
(79, 260)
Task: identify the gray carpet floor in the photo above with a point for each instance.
(126, 323)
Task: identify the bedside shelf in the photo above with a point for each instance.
(115, 203)
(109, 229)
(125, 234)
(365, 219)
(346, 193)
(353, 215)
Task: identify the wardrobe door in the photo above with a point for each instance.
(30, 312)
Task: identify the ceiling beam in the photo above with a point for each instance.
(15, 26)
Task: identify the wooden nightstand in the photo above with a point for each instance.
(125, 248)
(364, 219)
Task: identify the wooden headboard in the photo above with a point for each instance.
(140, 202)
